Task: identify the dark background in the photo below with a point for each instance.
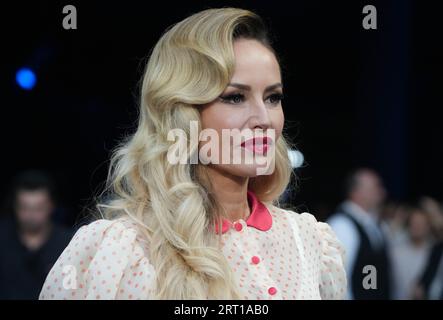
(353, 97)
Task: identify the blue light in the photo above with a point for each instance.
(26, 78)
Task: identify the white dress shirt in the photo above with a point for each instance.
(347, 234)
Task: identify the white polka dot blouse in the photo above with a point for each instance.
(274, 254)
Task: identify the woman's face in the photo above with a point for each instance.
(250, 103)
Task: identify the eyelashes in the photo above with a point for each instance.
(238, 98)
(278, 97)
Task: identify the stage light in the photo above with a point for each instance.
(296, 158)
(26, 78)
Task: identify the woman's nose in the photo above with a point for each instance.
(260, 115)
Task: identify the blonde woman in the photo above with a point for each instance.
(205, 229)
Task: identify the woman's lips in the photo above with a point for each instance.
(258, 145)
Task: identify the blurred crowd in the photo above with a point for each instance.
(394, 250)
(400, 242)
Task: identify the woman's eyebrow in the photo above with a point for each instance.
(246, 87)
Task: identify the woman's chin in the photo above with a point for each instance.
(249, 170)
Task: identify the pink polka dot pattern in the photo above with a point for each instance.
(104, 260)
(297, 258)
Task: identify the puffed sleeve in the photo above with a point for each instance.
(332, 280)
(104, 260)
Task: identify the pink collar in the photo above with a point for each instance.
(259, 218)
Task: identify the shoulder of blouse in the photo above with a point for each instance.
(97, 259)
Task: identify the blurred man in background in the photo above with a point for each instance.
(29, 242)
(410, 255)
(356, 224)
(430, 284)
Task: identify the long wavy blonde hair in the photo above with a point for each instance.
(191, 65)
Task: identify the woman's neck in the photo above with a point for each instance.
(230, 193)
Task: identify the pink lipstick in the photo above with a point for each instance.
(258, 145)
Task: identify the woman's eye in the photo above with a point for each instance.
(233, 98)
(275, 98)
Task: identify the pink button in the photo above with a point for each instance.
(272, 290)
(255, 260)
(238, 226)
